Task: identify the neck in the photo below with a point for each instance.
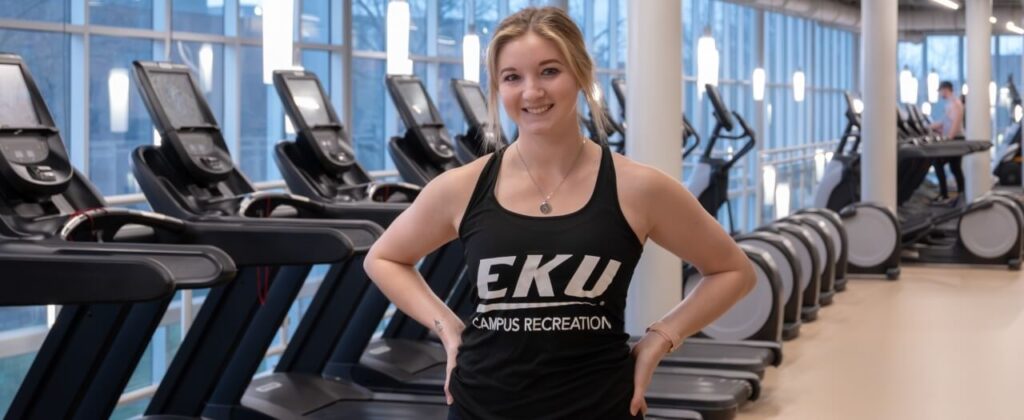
(553, 150)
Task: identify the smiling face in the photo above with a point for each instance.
(536, 86)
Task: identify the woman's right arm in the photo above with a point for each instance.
(426, 225)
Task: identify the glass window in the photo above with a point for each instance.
(445, 100)
(369, 24)
(315, 21)
(598, 38)
(250, 18)
(44, 10)
(257, 142)
(418, 32)
(451, 28)
(207, 64)
(118, 120)
(14, 369)
(198, 16)
(127, 13)
(943, 52)
(319, 62)
(369, 107)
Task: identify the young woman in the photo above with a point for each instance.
(553, 227)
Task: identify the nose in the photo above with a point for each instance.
(533, 90)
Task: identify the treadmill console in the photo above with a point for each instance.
(307, 106)
(421, 117)
(185, 123)
(473, 102)
(34, 162)
(619, 86)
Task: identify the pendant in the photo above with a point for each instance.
(545, 207)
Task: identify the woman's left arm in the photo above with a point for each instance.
(675, 220)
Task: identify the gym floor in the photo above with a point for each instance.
(940, 343)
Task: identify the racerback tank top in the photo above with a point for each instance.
(546, 339)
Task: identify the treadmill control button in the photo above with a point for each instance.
(212, 162)
(42, 173)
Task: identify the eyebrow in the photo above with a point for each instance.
(548, 61)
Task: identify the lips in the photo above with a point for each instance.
(538, 109)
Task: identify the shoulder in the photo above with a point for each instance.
(643, 181)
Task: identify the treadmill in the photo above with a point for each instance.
(321, 162)
(192, 174)
(716, 394)
(405, 359)
(873, 230)
(479, 138)
(115, 270)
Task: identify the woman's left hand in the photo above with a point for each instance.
(647, 353)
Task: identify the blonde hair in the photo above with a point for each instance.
(552, 24)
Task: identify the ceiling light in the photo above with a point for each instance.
(948, 3)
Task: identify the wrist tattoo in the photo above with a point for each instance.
(438, 326)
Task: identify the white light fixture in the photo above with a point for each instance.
(117, 92)
(398, 37)
(948, 3)
(992, 20)
(819, 164)
(768, 183)
(828, 156)
(933, 86)
(908, 86)
(278, 24)
(206, 67)
(757, 84)
(1012, 27)
(707, 62)
(1018, 113)
(471, 57)
(926, 108)
(798, 85)
(782, 200)
(858, 105)
(51, 316)
(964, 89)
(992, 88)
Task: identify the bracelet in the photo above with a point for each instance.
(659, 328)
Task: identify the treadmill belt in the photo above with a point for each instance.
(381, 410)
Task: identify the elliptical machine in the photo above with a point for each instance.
(873, 231)
(710, 179)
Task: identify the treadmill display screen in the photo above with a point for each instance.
(419, 104)
(307, 97)
(16, 107)
(175, 92)
(477, 104)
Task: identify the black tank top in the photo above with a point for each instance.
(546, 340)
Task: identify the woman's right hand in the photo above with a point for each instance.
(451, 338)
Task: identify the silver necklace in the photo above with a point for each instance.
(545, 205)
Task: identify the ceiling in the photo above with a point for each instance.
(923, 5)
